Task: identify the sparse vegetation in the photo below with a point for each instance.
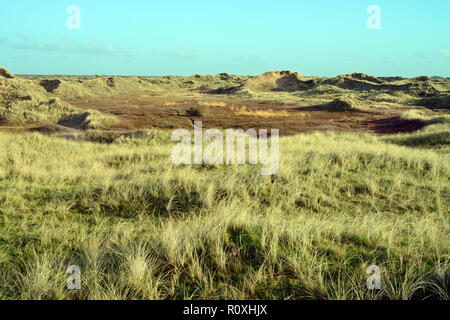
(267, 113)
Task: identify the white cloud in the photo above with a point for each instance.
(69, 46)
(181, 53)
(423, 55)
(445, 53)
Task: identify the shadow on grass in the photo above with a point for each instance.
(430, 140)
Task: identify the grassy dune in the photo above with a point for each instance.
(141, 227)
(25, 102)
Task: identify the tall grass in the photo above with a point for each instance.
(24, 102)
(140, 227)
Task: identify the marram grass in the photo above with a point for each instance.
(140, 227)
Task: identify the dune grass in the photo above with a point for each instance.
(426, 117)
(140, 227)
(25, 102)
(20, 107)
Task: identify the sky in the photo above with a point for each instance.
(247, 37)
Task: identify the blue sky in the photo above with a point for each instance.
(145, 37)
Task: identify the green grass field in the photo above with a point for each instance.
(140, 227)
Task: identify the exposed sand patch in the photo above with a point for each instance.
(5, 74)
(212, 104)
(280, 81)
